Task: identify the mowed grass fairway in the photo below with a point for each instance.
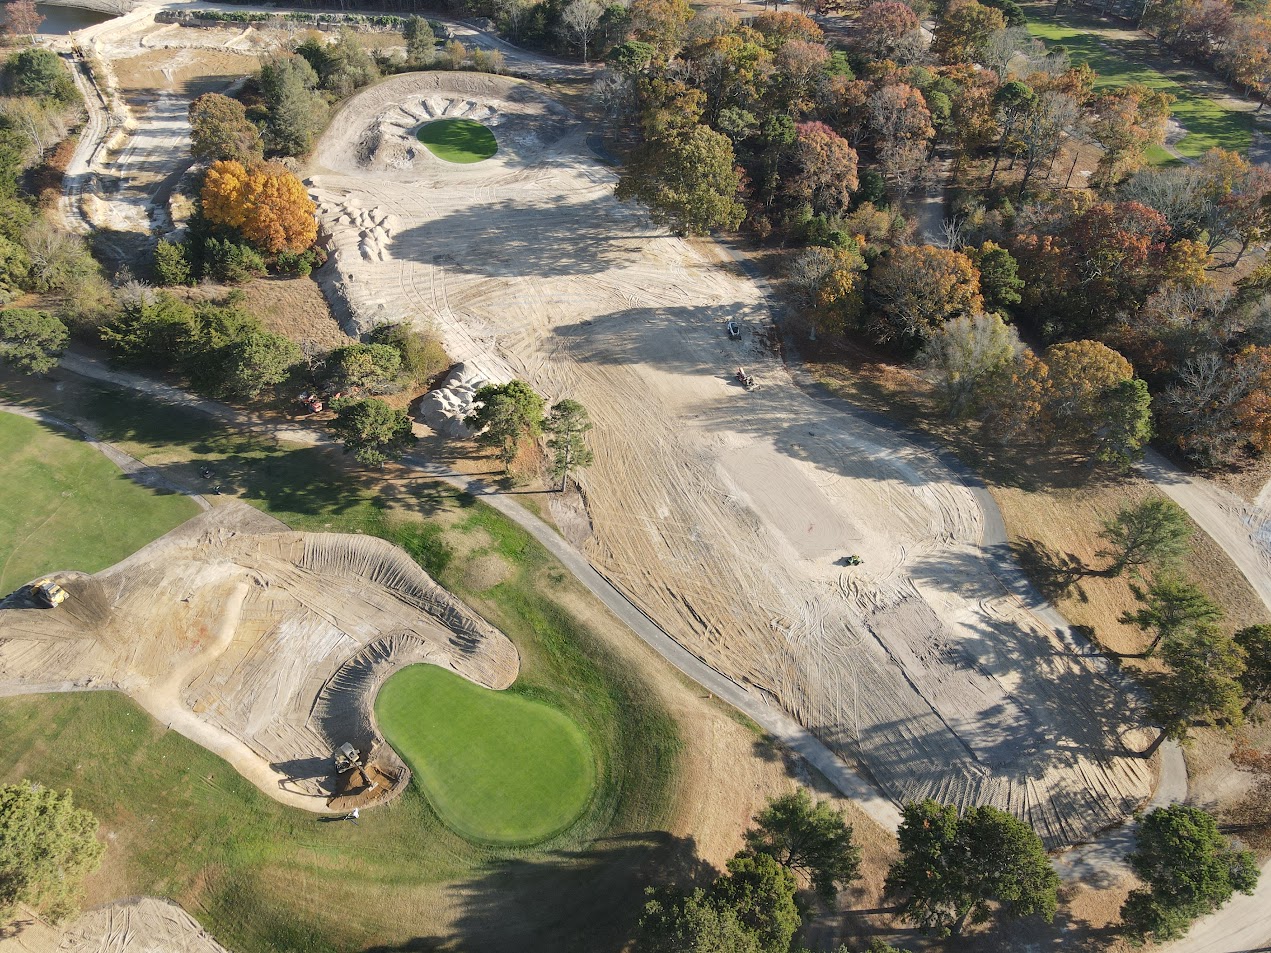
(65, 506)
(497, 767)
(458, 140)
(1120, 61)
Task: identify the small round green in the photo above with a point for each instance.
(458, 140)
(497, 767)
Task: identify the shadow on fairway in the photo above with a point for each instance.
(588, 900)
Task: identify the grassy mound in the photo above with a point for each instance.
(458, 140)
(65, 506)
(497, 767)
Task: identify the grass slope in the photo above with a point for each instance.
(458, 140)
(264, 879)
(65, 506)
(1120, 62)
(497, 767)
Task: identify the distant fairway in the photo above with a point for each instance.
(65, 506)
(1120, 62)
(497, 767)
(458, 140)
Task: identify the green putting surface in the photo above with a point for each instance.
(458, 140)
(65, 506)
(499, 768)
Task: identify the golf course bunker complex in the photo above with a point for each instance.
(726, 515)
(458, 140)
(263, 645)
(498, 767)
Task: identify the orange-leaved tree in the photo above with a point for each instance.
(266, 203)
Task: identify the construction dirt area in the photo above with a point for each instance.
(263, 645)
(726, 515)
(146, 76)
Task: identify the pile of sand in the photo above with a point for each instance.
(444, 408)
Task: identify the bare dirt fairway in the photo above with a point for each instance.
(724, 514)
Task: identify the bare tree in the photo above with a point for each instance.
(22, 18)
(44, 126)
(580, 19)
(1004, 45)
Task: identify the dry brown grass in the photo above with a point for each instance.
(187, 72)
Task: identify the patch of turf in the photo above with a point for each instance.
(458, 140)
(1120, 62)
(497, 767)
(66, 506)
(265, 879)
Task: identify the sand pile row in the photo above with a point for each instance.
(445, 407)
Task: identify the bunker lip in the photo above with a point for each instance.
(452, 805)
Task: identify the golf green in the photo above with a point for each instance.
(458, 140)
(65, 506)
(497, 767)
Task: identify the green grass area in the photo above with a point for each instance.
(1120, 62)
(458, 140)
(66, 506)
(497, 767)
(263, 878)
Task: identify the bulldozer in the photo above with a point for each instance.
(49, 593)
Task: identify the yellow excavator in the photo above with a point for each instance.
(49, 593)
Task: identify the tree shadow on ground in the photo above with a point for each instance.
(1056, 574)
(586, 900)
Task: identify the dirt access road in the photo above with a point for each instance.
(725, 515)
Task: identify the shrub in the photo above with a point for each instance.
(172, 264)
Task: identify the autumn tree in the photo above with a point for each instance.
(919, 287)
(1081, 374)
(954, 870)
(220, 129)
(505, 415)
(963, 29)
(889, 30)
(1014, 400)
(963, 353)
(660, 23)
(1189, 869)
(268, 205)
(827, 285)
(580, 19)
(1155, 532)
(22, 18)
(372, 431)
(824, 169)
(1129, 120)
(567, 427)
(902, 130)
(47, 847)
(688, 180)
(1255, 642)
(808, 837)
(1218, 405)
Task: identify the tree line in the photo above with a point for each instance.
(764, 127)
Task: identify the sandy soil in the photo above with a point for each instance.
(262, 645)
(135, 925)
(724, 514)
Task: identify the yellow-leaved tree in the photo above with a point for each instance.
(266, 203)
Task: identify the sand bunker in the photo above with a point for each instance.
(135, 925)
(264, 645)
(725, 514)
